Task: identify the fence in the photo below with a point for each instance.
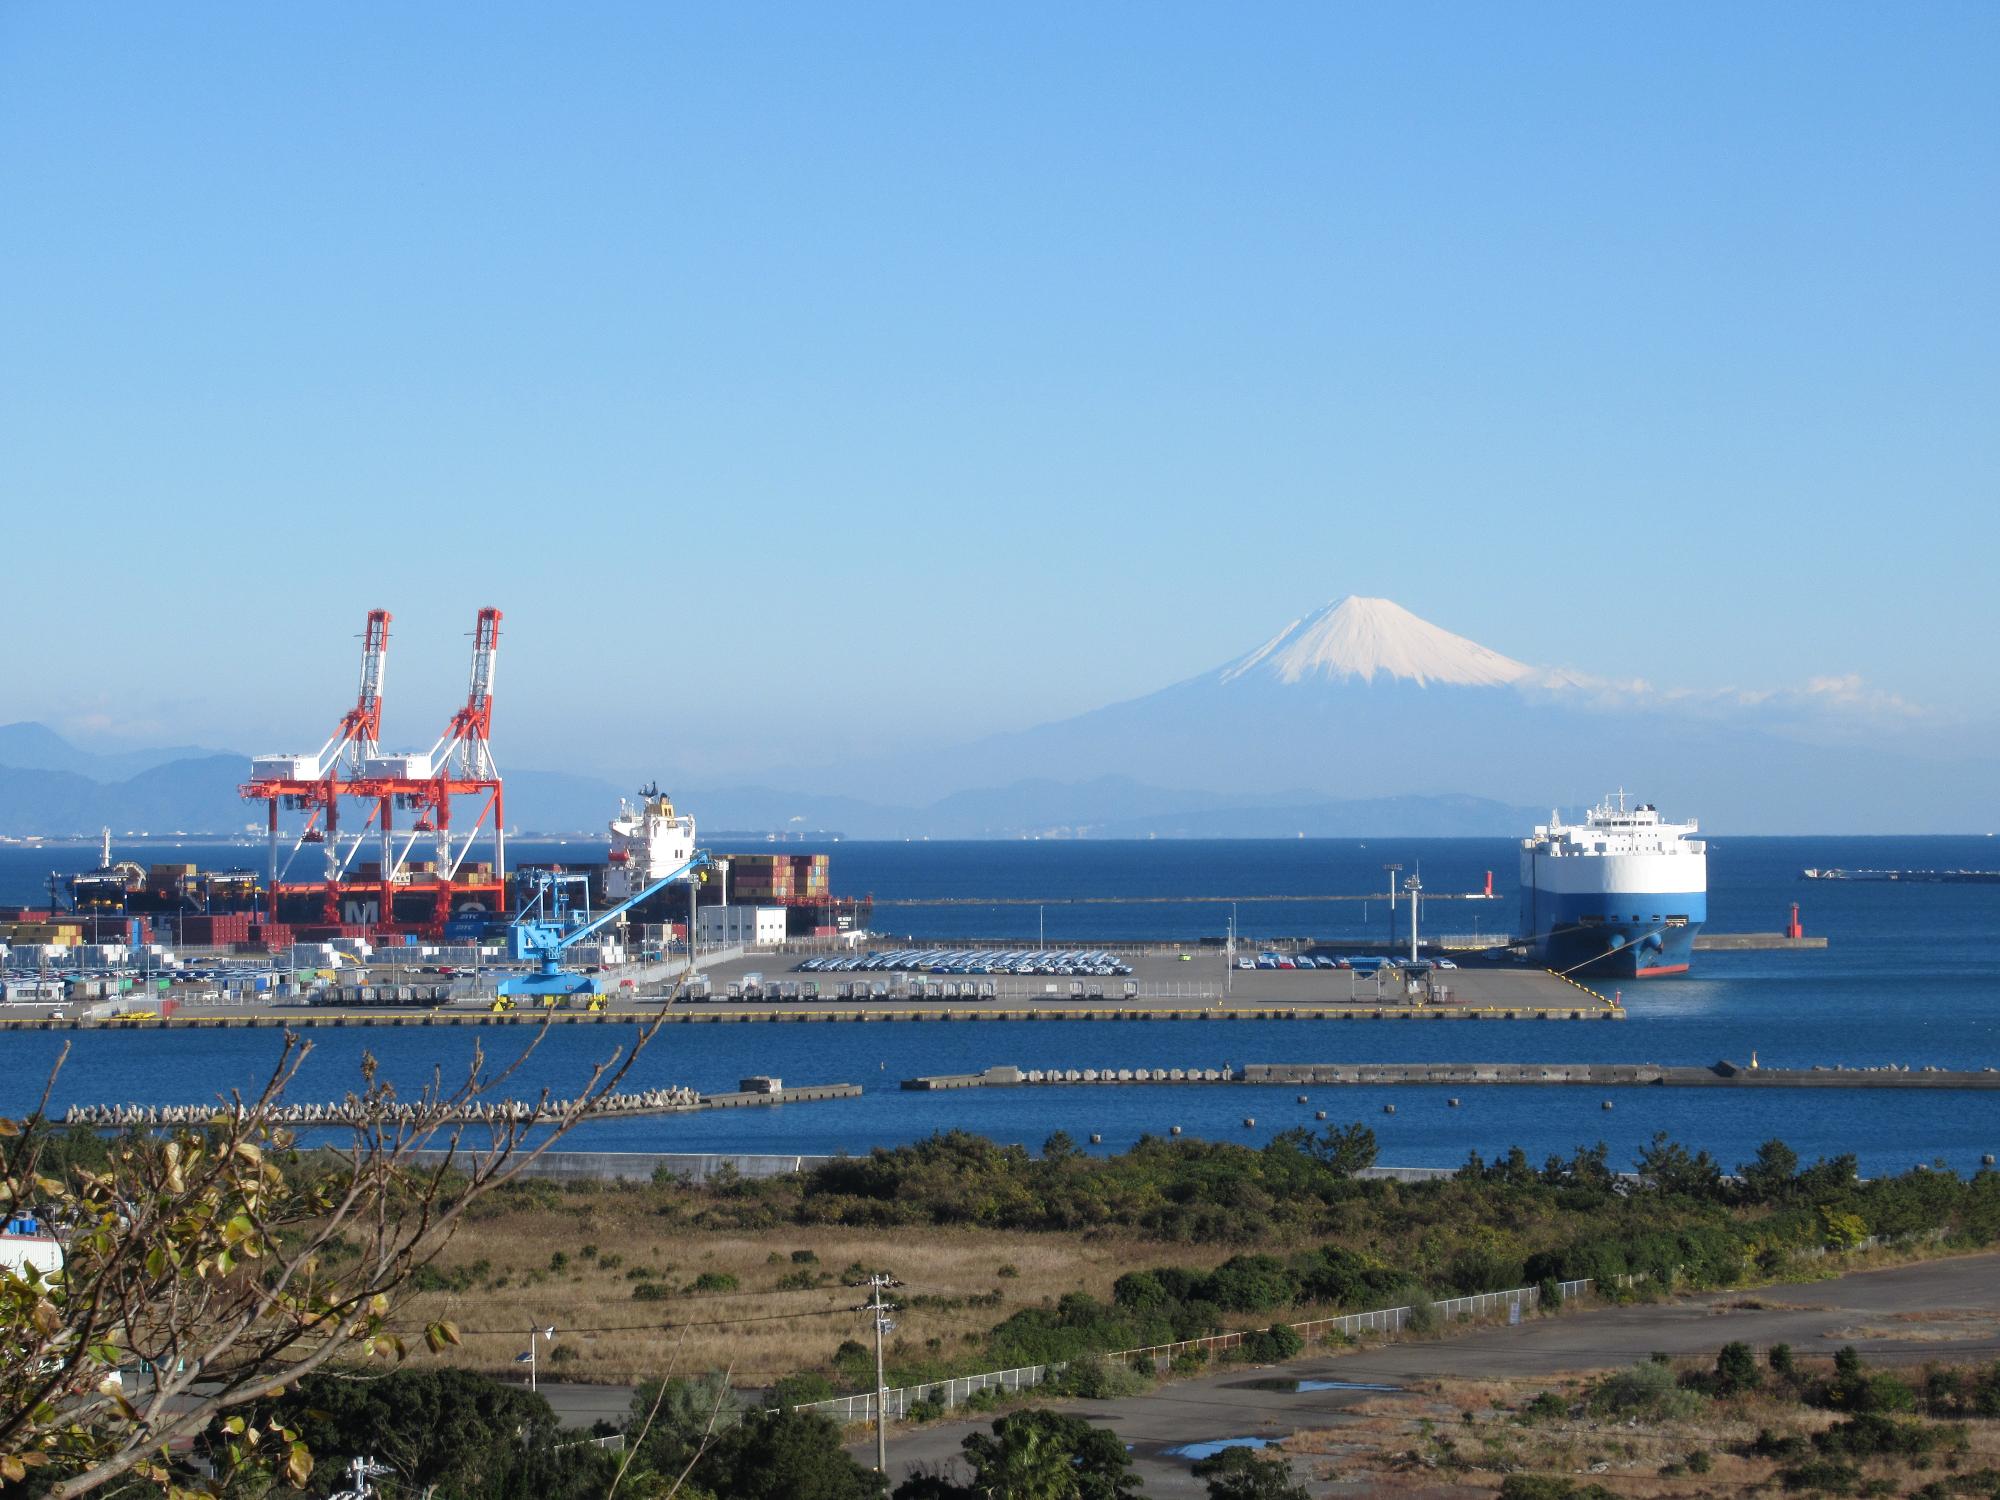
(1388, 1320)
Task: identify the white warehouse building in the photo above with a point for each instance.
(753, 926)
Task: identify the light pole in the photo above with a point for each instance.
(1392, 871)
(1413, 885)
(1229, 956)
(546, 1335)
(1041, 927)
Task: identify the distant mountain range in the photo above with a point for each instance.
(1364, 705)
(1360, 719)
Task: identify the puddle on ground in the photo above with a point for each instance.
(1296, 1386)
(1215, 1445)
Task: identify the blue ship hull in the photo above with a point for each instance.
(1615, 935)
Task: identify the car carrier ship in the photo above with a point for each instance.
(1620, 896)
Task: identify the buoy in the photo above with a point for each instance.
(1097, 1140)
(1319, 1114)
(1606, 1104)
(1388, 1109)
(1176, 1130)
(1249, 1120)
(1986, 1160)
(1302, 1098)
(1452, 1102)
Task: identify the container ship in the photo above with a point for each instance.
(653, 840)
(1619, 897)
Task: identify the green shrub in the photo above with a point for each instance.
(1735, 1370)
(1822, 1475)
(1095, 1378)
(801, 1389)
(1873, 1435)
(1422, 1318)
(1549, 1487)
(1647, 1390)
(651, 1291)
(1190, 1361)
(1547, 1407)
(713, 1281)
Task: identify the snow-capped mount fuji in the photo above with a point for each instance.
(1363, 701)
(1356, 638)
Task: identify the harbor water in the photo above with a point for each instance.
(1911, 977)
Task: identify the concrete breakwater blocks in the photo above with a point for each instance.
(1612, 1075)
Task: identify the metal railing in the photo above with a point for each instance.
(1387, 1321)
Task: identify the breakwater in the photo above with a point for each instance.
(353, 1112)
(1610, 1075)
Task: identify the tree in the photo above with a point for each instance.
(1045, 1455)
(1342, 1150)
(1771, 1177)
(674, 1419)
(784, 1455)
(1246, 1474)
(450, 1433)
(1735, 1369)
(225, 1262)
(1668, 1167)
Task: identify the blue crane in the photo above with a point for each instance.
(546, 929)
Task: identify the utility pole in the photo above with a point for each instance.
(882, 1325)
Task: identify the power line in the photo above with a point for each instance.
(823, 1312)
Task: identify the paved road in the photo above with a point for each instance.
(1947, 1309)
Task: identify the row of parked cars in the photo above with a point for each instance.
(1366, 964)
(975, 961)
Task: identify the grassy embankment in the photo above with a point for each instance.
(1011, 1259)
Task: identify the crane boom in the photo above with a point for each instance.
(541, 936)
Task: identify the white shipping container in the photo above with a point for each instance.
(759, 926)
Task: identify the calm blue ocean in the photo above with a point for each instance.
(1912, 976)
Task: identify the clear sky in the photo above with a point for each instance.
(757, 359)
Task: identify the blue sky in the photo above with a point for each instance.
(758, 360)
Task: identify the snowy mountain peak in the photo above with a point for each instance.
(1357, 638)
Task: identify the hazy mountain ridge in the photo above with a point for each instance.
(1359, 718)
(199, 796)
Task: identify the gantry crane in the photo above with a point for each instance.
(352, 764)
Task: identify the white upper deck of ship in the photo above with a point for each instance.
(1616, 830)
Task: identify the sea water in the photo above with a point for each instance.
(1911, 976)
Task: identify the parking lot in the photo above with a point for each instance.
(895, 978)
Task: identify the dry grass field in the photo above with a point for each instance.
(1464, 1438)
(605, 1268)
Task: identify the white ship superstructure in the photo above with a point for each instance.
(1621, 894)
(648, 843)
